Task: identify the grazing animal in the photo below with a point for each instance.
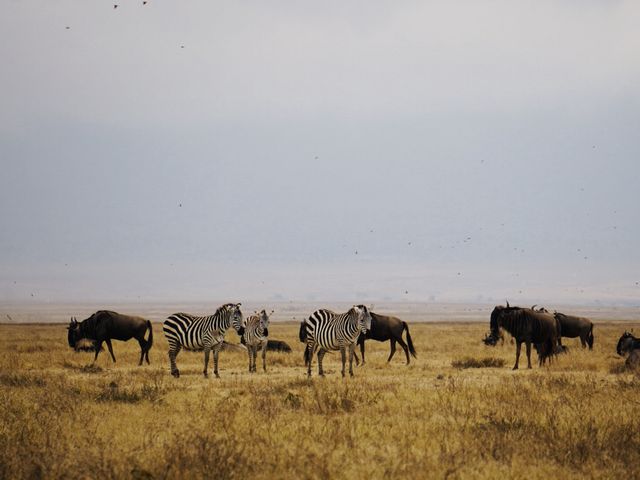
(328, 331)
(491, 341)
(383, 328)
(527, 326)
(629, 344)
(573, 327)
(201, 333)
(254, 336)
(104, 326)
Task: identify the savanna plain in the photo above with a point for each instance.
(457, 411)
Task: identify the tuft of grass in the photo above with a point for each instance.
(21, 380)
(485, 362)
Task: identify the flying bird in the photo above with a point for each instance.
(115, 6)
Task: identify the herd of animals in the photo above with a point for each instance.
(324, 331)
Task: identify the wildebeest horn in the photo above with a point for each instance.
(507, 303)
(533, 307)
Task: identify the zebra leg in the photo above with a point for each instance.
(311, 348)
(249, 354)
(352, 352)
(528, 344)
(264, 356)
(207, 350)
(216, 351)
(321, 353)
(343, 357)
(173, 353)
(254, 354)
(518, 346)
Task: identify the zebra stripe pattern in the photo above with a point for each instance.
(200, 333)
(255, 337)
(328, 331)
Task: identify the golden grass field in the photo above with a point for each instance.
(61, 417)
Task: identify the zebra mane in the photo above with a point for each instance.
(227, 307)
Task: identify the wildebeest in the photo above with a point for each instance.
(104, 326)
(385, 327)
(573, 327)
(528, 326)
(629, 344)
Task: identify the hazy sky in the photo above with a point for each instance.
(225, 150)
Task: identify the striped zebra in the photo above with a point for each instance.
(328, 331)
(201, 333)
(255, 337)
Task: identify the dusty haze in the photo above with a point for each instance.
(421, 152)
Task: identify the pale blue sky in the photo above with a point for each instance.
(192, 150)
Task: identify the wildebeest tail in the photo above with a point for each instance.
(412, 350)
(548, 350)
(590, 338)
(150, 339)
(303, 331)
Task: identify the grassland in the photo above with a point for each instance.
(62, 417)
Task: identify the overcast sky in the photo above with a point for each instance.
(336, 150)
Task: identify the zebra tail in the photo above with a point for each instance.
(303, 332)
(150, 339)
(412, 350)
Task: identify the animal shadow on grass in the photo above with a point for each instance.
(89, 368)
(486, 362)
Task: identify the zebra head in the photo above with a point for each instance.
(364, 317)
(236, 318)
(264, 319)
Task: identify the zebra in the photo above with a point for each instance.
(201, 333)
(255, 337)
(334, 331)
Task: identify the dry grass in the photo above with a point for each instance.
(440, 417)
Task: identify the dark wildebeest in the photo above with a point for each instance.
(573, 327)
(629, 344)
(385, 327)
(528, 326)
(104, 326)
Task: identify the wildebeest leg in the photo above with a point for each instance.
(393, 349)
(361, 351)
(146, 356)
(264, 356)
(583, 341)
(108, 340)
(352, 352)
(207, 350)
(528, 343)
(321, 353)
(98, 344)
(343, 357)
(518, 345)
(405, 348)
(142, 351)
